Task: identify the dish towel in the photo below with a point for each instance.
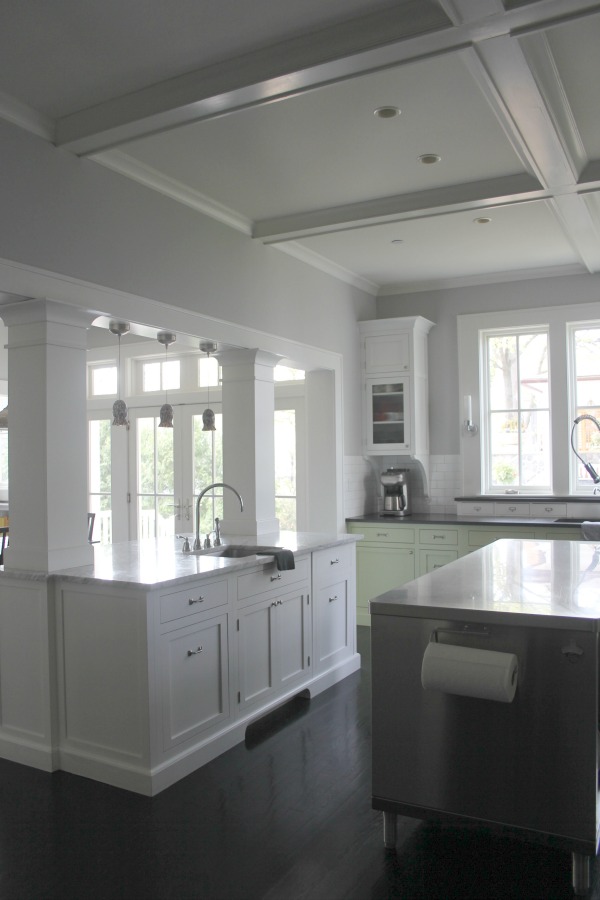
(283, 558)
(590, 531)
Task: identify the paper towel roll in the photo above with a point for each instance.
(470, 672)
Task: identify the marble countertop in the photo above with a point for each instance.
(549, 584)
(160, 562)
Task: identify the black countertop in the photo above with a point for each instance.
(453, 519)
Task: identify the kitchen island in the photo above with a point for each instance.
(140, 668)
(526, 759)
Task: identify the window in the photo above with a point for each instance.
(102, 380)
(517, 422)
(285, 468)
(161, 376)
(99, 478)
(530, 373)
(584, 345)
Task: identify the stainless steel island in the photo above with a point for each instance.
(463, 749)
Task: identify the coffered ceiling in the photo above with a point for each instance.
(262, 114)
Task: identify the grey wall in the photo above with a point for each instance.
(443, 307)
(76, 218)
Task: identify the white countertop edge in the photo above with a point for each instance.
(160, 562)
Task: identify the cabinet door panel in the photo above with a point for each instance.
(255, 652)
(292, 637)
(381, 569)
(332, 633)
(194, 677)
(429, 560)
(387, 353)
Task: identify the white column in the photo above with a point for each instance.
(324, 476)
(249, 441)
(47, 436)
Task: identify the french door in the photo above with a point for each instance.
(168, 469)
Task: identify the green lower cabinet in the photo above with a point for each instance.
(429, 559)
(380, 569)
(384, 561)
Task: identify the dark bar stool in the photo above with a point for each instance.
(3, 542)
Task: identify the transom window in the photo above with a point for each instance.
(102, 381)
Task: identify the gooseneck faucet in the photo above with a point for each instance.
(218, 484)
(586, 465)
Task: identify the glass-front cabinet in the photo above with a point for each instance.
(395, 380)
(387, 413)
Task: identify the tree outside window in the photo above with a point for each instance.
(518, 411)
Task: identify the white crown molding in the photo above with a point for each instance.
(329, 268)
(123, 164)
(390, 290)
(25, 117)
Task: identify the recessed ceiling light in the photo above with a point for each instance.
(397, 241)
(428, 159)
(386, 112)
(482, 220)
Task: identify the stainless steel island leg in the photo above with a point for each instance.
(389, 830)
(581, 873)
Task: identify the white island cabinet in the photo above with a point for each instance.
(151, 663)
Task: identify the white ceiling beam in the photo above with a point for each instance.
(579, 216)
(366, 44)
(441, 201)
(335, 53)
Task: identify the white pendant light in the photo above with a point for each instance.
(120, 413)
(166, 338)
(208, 416)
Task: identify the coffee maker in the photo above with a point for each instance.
(395, 492)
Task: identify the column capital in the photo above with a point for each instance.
(46, 310)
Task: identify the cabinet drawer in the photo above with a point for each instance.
(475, 508)
(439, 537)
(548, 510)
(511, 509)
(332, 564)
(387, 534)
(193, 599)
(267, 578)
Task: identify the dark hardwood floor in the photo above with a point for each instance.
(285, 816)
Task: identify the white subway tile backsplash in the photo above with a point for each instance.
(362, 490)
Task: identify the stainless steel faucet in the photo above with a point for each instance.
(219, 484)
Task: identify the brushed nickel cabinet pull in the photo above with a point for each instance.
(194, 652)
(199, 599)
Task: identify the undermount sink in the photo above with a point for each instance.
(237, 550)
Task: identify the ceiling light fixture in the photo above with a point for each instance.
(397, 241)
(166, 411)
(120, 415)
(482, 220)
(208, 416)
(429, 159)
(386, 112)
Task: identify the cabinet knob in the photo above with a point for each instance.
(276, 577)
(331, 599)
(333, 562)
(199, 599)
(194, 652)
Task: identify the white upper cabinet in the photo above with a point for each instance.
(395, 386)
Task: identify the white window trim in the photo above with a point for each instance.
(484, 334)
(557, 319)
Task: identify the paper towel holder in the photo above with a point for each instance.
(469, 630)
